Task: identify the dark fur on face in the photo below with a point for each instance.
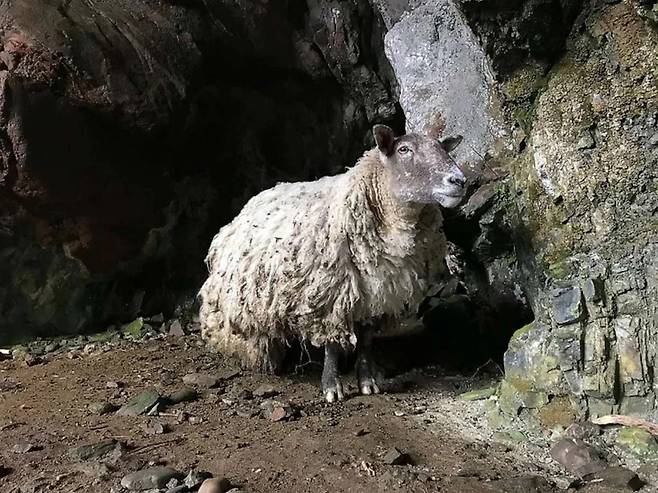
(422, 171)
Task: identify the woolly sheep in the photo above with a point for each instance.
(332, 261)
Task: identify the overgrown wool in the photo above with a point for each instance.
(312, 260)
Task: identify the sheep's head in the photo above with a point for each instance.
(421, 169)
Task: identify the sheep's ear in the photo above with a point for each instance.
(384, 138)
(451, 143)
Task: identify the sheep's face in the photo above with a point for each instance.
(421, 169)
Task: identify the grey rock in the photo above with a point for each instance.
(446, 84)
(25, 447)
(616, 477)
(176, 329)
(201, 380)
(586, 141)
(101, 407)
(93, 450)
(194, 478)
(265, 390)
(97, 470)
(394, 457)
(140, 404)
(577, 457)
(215, 485)
(152, 477)
(155, 428)
(568, 306)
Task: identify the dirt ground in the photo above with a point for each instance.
(320, 447)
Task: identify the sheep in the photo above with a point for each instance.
(332, 261)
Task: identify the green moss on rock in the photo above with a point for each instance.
(639, 442)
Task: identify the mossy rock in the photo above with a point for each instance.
(509, 438)
(516, 394)
(134, 328)
(639, 442)
(560, 411)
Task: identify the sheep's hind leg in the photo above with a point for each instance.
(331, 386)
(367, 373)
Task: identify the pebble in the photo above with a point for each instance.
(25, 447)
(176, 329)
(152, 477)
(93, 450)
(140, 403)
(396, 458)
(185, 394)
(276, 410)
(153, 428)
(265, 390)
(101, 408)
(201, 380)
(194, 478)
(215, 485)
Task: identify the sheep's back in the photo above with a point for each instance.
(268, 268)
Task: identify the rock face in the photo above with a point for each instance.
(131, 131)
(579, 99)
(446, 83)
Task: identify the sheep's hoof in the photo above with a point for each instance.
(334, 393)
(368, 386)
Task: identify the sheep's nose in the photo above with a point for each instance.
(457, 180)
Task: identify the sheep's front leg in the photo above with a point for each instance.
(331, 386)
(367, 373)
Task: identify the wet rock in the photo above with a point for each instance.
(394, 457)
(176, 329)
(194, 478)
(577, 457)
(25, 447)
(101, 408)
(215, 485)
(568, 306)
(183, 395)
(638, 441)
(616, 477)
(93, 450)
(140, 404)
(201, 380)
(478, 395)
(265, 390)
(152, 477)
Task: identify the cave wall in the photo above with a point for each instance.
(131, 131)
(568, 174)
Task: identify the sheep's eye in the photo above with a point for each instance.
(404, 149)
